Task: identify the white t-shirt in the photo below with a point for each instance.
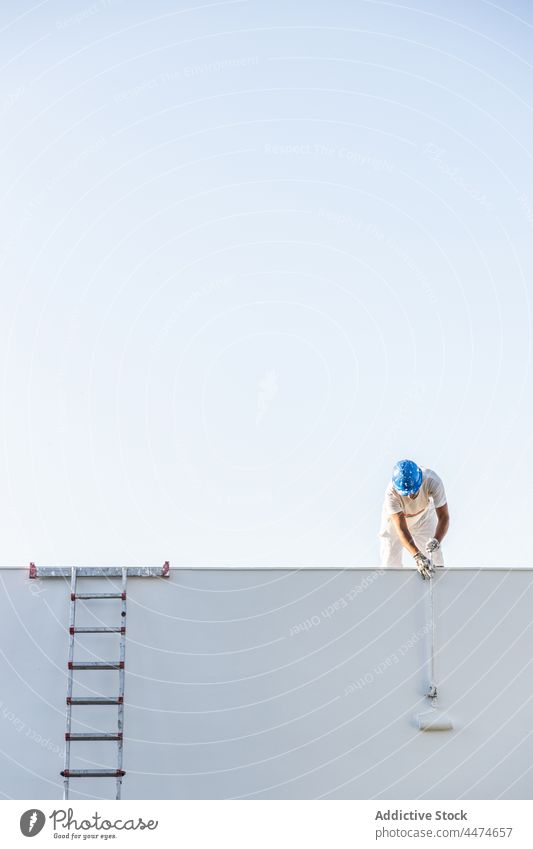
(432, 489)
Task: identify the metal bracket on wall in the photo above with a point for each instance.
(100, 571)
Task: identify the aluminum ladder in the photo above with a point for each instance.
(117, 735)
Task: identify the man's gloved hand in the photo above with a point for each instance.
(424, 565)
(432, 544)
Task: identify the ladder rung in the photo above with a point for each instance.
(93, 773)
(99, 664)
(94, 735)
(90, 630)
(74, 596)
(95, 700)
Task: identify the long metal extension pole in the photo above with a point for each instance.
(433, 685)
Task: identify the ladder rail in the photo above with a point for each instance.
(122, 676)
(70, 673)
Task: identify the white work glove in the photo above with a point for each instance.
(432, 544)
(424, 565)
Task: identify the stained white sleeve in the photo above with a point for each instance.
(393, 503)
(436, 489)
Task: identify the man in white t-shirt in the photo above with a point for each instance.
(415, 517)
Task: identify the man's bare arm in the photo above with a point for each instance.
(443, 522)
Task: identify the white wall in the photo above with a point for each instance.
(225, 698)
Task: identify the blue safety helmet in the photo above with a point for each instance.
(406, 477)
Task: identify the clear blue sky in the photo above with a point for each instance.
(253, 253)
